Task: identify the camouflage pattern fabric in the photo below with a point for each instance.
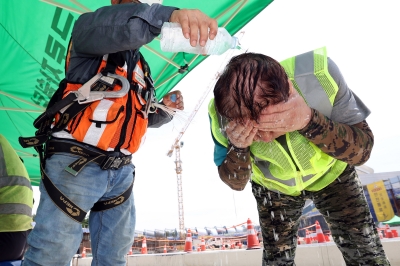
(344, 208)
(235, 171)
(350, 144)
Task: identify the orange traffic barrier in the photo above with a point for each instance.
(203, 244)
(308, 238)
(165, 248)
(320, 234)
(188, 242)
(380, 233)
(388, 232)
(83, 255)
(144, 246)
(395, 233)
(130, 251)
(252, 239)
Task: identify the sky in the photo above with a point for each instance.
(361, 36)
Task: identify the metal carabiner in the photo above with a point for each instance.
(85, 95)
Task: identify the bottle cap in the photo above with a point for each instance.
(235, 43)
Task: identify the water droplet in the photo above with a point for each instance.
(265, 201)
(269, 196)
(272, 215)
(339, 180)
(249, 167)
(282, 217)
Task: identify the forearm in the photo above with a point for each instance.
(118, 28)
(236, 168)
(350, 144)
(159, 118)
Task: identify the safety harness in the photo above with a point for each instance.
(68, 108)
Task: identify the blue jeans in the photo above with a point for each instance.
(56, 237)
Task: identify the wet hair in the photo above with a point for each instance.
(249, 83)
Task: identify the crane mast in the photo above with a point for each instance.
(177, 144)
(178, 169)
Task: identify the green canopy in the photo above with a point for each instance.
(394, 221)
(34, 36)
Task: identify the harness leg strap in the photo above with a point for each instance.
(114, 202)
(61, 201)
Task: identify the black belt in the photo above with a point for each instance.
(87, 153)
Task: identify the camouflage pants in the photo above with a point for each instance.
(344, 208)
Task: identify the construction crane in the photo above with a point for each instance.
(177, 144)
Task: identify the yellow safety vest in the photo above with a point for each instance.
(302, 166)
(16, 195)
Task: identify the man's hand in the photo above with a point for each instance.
(267, 136)
(174, 99)
(241, 135)
(278, 119)
(193, 22)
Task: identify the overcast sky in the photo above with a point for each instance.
(360, 36)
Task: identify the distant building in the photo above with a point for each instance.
(391, 181)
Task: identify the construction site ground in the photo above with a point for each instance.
(306, 255)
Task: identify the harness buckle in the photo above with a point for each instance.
(114, 162)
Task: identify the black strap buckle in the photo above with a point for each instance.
(115, 162)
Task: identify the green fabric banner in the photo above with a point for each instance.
(34, 36)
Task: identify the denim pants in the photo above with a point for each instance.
(56, 237)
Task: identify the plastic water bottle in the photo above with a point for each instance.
(172, 40)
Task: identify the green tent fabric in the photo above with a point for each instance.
(394, 221)
(34, 36)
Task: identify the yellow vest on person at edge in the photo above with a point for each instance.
(306, 167)
(16, 195)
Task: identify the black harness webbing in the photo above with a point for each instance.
(87, 153)
(46, 145)
(72, 210)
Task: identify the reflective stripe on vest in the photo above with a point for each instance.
(16, 195)
(100, 124)
(272, 165)
(309, 71)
